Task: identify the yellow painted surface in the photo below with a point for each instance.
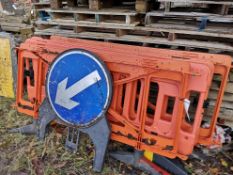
(148, 155)
(6, 72)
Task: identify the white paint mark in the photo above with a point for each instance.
(186, 107)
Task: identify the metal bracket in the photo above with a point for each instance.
(99, 134)
(72, 139)
(203, 23)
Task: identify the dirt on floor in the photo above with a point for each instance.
(24, 154)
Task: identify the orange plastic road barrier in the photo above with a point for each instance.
(221, 68)
(150, 89)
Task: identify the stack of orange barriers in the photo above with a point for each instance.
(150, 88)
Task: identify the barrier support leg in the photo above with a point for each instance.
(137, 160)
(28, 129)
(100, 135)
(172, 165)
(38, 127)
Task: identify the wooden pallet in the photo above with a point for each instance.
(226, 110)
(138, 39)
(225, 115)
(16, 28)
(229, 88)
(141, 6)
(206, 25)
(16, 24)
(155, 16)
(85, 16)
(228, 97)
(216, 6)
(225, 104)
(170, 32)
(200, 21)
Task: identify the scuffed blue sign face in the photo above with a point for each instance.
(78, 87)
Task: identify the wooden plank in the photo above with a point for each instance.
(192, 15)
(172, 36)
(218, 31)
(224, 114)
(223, 10)
(228, 113)
(142, 6)
(43, 4)
(228, 97)
(56, 4)
(167, 6)
(85, 23)
(15, 19)
(19, 25)
(120, 32)
(16, 29)
(216, 85)
(95, 4)
(72, 3)
(227, 105)
(199, 2)
(113, 11)
(228, 122)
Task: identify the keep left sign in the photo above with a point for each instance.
(79, 87)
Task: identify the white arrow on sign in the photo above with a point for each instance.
(64, 94)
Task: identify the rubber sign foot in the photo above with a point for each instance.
(28, 129)
(100, 135)
(38, 127)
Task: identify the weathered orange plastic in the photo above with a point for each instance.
(134, 69)
(221, 67)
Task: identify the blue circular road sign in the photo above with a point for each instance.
(79, 87)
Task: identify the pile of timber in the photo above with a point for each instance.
(197, 25)
(14, 18)
(159, 25)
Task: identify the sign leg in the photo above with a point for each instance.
(46, 115)
(100, 135)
